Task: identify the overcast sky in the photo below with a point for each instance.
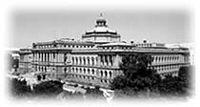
(166, 26)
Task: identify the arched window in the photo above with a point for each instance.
(92, 60)
(88, 58)
(110, 73)
(65, 69)
(80, 70)
(106, 73)
(88, 71)
(106, 60)
(110, 58)
(92, 71)
(65, 57)
(96, 59)
(84, 61)
(84, 70)
(101, 73)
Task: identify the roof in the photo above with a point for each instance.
(65, 40)
(135, 49)
(101, 26)
(117, 44)
(101, 29)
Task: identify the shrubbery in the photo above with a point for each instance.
(138, 78)
(19, 88)
(48, 88)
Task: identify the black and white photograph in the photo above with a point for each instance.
(100, 53)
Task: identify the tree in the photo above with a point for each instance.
(136, 74)
(48, 88)
(176, 86)
(19, 88)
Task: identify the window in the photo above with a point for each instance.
(53, 55)
(84, 70)
(110, 73)
(80, 60)
(88, 71)
(65, 69)
(92, 60)
(101, 73)
(92, 71)
(106, 73)
(88, 58)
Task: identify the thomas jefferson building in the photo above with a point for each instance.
(95, 59)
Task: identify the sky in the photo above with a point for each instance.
(163, 26)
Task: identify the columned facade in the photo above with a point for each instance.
(95, 60)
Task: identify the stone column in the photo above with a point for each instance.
(37, 57)
(40, 57)
(86, 61)
(74, 61)
(56, 57)
(50, 57)
(98, 61)
(78, 61)
(116, 61)
(43, 54)
(108, 60)
(33, 57)
(43, 57)
(104, 61)
(63, 57)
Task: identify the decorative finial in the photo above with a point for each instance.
(101, 14)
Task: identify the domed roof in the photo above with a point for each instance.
(101, 29)
(101, 26)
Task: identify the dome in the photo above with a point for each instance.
(101, 18)
(101, 33)
(101, 29)
(101, 26)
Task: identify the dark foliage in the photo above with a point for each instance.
(48, 88)
(138, 78)
(179, 86)
(19, 88)
(94, 93)
(136, 73)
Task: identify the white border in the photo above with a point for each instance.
(7, 6)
